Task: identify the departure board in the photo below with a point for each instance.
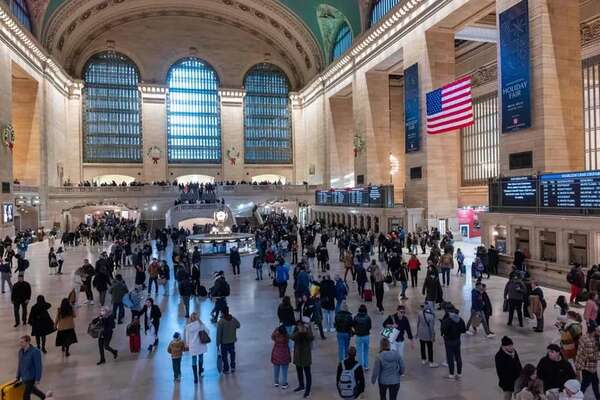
(519, 191)
(322, 197)
(369, 196)
(571, 190)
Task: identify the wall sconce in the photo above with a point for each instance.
(542, 238)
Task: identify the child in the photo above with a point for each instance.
(175, 349)
(133, 331)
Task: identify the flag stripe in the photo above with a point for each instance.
(467, 104)
(452, 127)
(455, 117)
(450, 107)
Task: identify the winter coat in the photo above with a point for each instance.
(343, 322)
(362, 324)
(40, 320)
(280, 355)
(21, 292)
(176, 348)
(388, 368)
(191, 338)
(327, 294)
(554, 374)
(118, 290)
(227, 330)
(302, 347)
(101, 282)
(432, 289)
(515, 290)
(426, 325)
(286, 315)
(508, 369)
(452, 327)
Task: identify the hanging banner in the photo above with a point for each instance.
(514, 68)
(412, 114)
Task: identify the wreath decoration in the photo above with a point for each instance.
(154, 153)
(232, 155)
(8, 136)
(359, 144)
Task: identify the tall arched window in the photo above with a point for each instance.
(267, 125)
(111, 109)
(342, 42)
(193, 113)
(21, 12)
(379, 9)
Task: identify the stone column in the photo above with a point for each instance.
(439, 156)
(154, 133)
(340, 132)
(6, 175)
(556, 136)
(232, 134)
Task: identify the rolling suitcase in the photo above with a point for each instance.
(367, 295)
(12, 391)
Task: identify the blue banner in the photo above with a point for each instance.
(514, 68)
(412, 114)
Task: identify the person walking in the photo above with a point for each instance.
(100, 283)
(362, 329)
(118, 290)
(20, 296)
(513, 293)
(280, 356)
(387, 370)
(29, 369)
(414, 266)
(576, 279)
(343, 325)
(65, 327)
(508, 367)
(186, 289)
(350, 376)
(175, 349)
(302, 338)
(235, 260)
(327, 294)
(197, 349)
(226, 337)
(41, 322)
(152, 315)
(426, 334)
(477, 312)
(107, 326)
(341, 292)
(432, 289)
(400, 322)
(282, 275)
(586, 362)
(452, 327)
(5, 275)
(60, 259)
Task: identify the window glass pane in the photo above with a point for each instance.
(193, 113)
(342, 42)
(591, 111)
(480, 142)
(111, 109)
(20, 12)
(267, 124)
(380, 8)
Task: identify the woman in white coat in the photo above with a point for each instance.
(191, 338)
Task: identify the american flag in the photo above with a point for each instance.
(450, 107)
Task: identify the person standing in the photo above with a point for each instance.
(60, 259)
(493, 259)
(414, 265)
(426, 334)
(586, 362)
(432, 289)
(5, 274)
(576, 278)
(327, 294)
(343, 326)
(152, 315)
(446, 263)
(362, 330)
(41, 322)
(537, 305)
(20, 296)
(191, 337)
(553, 369)
(65, 327)
(107, 324)
(118, 290)
(280, 356)
(235, 260)
(513, 293)
(186, 289)
(387, 370)
(153, 270)
(452, 327)
(226, 337)
(29, 368)
(302, 338)
(508, 367)
(101, 282)
(175, 349)
(460, 259)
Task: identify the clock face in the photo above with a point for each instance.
(221, 216)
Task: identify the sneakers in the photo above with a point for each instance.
(433, 365)
(276, 384)
(298, 389)
(450, 377)
(491, 335)
(285, 386)
(423, 362)
(470, 333)
(458, 377)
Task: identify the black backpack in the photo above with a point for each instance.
(572, 277)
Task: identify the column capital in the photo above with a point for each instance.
(153, 93)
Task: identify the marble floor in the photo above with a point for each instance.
(148, 375)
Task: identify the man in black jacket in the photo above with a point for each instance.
(20, 296)
(554, 370)
(452, 327)
(327, 293)
(186, 289)
(508, 367)
(234, 260)
(343, 325)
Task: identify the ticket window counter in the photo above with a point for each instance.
(578, 247)
(548, 246)
(522, 241)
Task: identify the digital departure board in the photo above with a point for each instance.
(570, 190)
(370, 196)
(519, 191)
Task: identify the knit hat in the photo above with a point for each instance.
(573, 386)
(553, 347)
(506, 341)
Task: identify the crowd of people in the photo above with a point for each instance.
(315, 301)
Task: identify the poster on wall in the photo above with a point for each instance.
(7, 213)
(412, 117)
(515, 68)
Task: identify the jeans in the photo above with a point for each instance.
(328, 318)
(220, 305)
(280, 374)
(118, 312)
(343, 339)
(259, 274)
(186, 305)
(6, 279)
(23, 307)
(362, 350)
(31, 389)
(590, 378)
(176, 367)
(426, 345)
(453, 355)
(155, 281)
(199, 362)
(282, 288)
(228, 354)
(404, 285)
(236, 269)
(446, 276)
(391, 389)
(515, 305)
(304, 373)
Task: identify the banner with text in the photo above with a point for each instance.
(515, 68)
(412, 114)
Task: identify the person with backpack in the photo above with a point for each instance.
(426, 333)
(219, 292)
(387, 370)
(362, 330)
(282, 275)
(350, 377)
(514, 291)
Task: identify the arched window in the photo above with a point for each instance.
(267, 125)
(379, 9)
(193, 113)
(342, 42)
(21, 12)
(111, 109)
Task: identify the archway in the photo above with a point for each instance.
(195, 178)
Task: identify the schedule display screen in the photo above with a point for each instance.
(370, 196)
(519, 191)
(571, 190)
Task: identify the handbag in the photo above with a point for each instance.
(505, 306)
(219, 362)
(204, 338)
(388, 279)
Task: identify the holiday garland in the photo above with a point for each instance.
(8, 136)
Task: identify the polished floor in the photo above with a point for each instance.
(148, 375)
